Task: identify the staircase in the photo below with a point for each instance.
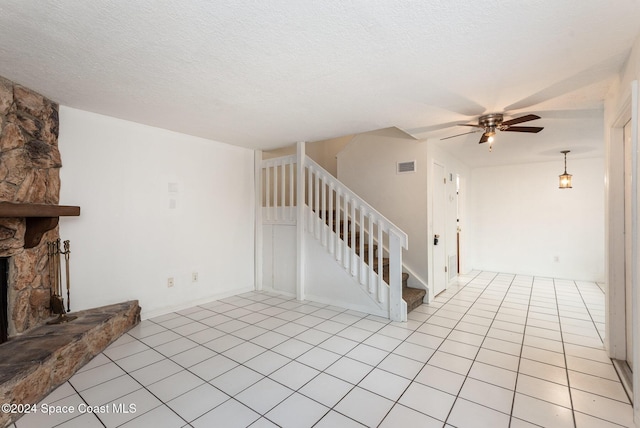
(334, 223)
(412, 296)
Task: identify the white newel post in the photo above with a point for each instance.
(258, 219)
(300, 235)
(395, 278)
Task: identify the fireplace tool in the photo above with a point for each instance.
(55, 274)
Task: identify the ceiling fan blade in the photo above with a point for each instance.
(532, 129)
(430, 128)
(526, 118)
(471, 124)
(483, 139)
(453, 136)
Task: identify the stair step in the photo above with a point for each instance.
(413, 297)
(405, 278)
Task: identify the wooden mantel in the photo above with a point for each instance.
(40, 218)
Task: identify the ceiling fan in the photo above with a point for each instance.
(489, 123)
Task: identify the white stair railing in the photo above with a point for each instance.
(331, 207)
(279, 190)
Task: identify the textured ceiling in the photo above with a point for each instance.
(267, 74)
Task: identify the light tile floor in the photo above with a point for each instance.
(495, 350)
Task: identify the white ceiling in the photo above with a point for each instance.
(264, 74)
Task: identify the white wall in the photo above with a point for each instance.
(325, 152)
(127, 241)
(521, 220)
(326, 281)
(368, 167)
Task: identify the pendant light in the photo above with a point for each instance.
(565, 179)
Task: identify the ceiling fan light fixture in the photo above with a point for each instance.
(489, 124)
(565, 178)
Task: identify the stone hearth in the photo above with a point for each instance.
(35, 363)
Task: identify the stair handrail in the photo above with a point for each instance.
(404, 239)
(278, 160)
(359, 265)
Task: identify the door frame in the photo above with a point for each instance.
(615, 340)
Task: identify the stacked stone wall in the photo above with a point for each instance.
(29, 173)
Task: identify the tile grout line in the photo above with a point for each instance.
(150, 392)
(445, 338)
(292, 359)
(480, 290)
(480, 346)
(187, 369)
(588, 311)
(564, 354)
(515, 386)
(397, 401)
(361, 342)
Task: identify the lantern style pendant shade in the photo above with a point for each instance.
(565, 179)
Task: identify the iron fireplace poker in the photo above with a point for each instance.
(55, 275)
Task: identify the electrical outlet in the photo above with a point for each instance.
(194, 277)
(170, 282)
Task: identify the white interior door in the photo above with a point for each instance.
(439, 262)
(628, 260)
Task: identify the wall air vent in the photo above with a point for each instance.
(406, 167)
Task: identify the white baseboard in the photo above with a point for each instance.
(280, 292)
(340, 304)
(168, 309)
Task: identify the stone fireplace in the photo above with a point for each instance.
(37, 358)
(29, 173)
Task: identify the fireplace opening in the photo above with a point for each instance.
(4, 286)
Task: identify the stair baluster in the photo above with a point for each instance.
(345, 228)
(281, 205)
(380, 265)
(309, 195)
(275, 192)
(354, 241)
(331, 220)
(292, 201)
(370, 275)
(323, 210)
(361, 234)
(338, 225)
(267, 190)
